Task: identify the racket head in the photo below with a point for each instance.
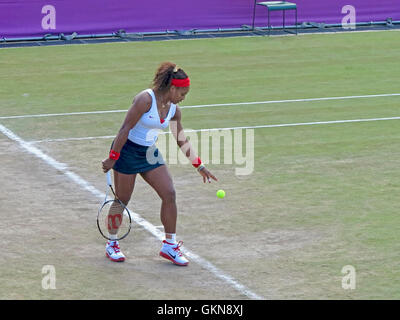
(114, 218)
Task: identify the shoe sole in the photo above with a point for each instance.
(164, 255)
(115, 260)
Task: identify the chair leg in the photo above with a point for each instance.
(254, 13)
(269, 26)
(284, 18)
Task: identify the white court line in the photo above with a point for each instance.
(293, 100)
(233, 128)
(206, 105)
(135, 216)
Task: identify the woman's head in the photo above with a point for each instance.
(171, 81)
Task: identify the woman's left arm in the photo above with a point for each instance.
(186, 147)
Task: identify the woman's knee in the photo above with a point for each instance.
(124, 198)
(124, 185)
(169, 196)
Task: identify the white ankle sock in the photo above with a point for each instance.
(112, 237)
(171, 240)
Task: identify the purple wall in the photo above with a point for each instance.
(21, 18)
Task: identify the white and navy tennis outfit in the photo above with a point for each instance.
(139, 154)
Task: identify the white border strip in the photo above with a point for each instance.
(233, 104)
(136, 217)
(233, 128)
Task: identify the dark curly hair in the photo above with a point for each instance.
(164, 75)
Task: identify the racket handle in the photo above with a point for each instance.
(108, 174)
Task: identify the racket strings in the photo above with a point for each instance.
(110, 218)
(114, 220)
(114, 217)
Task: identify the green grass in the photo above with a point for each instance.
(108, 75)
(320, 197)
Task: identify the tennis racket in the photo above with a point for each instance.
(113, 218)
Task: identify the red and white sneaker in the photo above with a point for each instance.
(113, 252)
(173, 252)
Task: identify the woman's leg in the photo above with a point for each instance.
(124, 184)
(160, 180)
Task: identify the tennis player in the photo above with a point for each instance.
(133, 152)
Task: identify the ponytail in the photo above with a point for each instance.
(164, 75)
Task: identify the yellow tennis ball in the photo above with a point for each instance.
(220, 194)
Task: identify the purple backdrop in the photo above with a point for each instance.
(22, 18)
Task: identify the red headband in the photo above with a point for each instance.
(181, 82)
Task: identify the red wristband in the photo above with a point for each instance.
(114, 155)
(196, 162)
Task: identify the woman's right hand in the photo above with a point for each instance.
(108, 164)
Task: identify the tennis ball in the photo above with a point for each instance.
(220, 194)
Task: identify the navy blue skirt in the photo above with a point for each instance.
(135, 158)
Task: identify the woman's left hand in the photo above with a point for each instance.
(207, 175)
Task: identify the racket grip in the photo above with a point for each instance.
(108, 175)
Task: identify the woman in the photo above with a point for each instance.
(133, 151)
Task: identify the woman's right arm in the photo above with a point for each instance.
(139, 106)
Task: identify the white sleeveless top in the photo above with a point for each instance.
(147, 129)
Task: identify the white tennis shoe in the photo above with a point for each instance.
(173, 253)
(113, 252)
